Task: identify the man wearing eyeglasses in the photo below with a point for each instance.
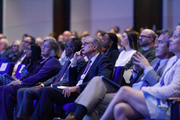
(146, 41)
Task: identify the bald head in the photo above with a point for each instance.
(66, 36)
(2, 36)
(3, 44)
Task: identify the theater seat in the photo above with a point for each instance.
(175, 109)
(6, 68)
(117, 78)
(18, 71)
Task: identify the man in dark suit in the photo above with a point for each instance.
(4, 50)
(26, 96)
(102, 92)
(96, 66)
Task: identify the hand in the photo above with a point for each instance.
(67, 91)
(14, 77)
(15, 82)
(39, 87)
(77, 56)
(140, 60)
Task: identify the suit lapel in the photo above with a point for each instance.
(94, 65)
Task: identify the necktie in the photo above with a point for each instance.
(84, 73)
(63, 72)
(157, 65)
(87, 66)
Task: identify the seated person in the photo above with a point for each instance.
(42, 70)
(146, 40)
(26, 96)
(129, 42)
(16, 52)
(95, 102)
(33, 53)
(109, 42)
(149, 102)
(96, 66)
(4, 48)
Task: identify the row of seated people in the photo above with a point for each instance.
(80, 75)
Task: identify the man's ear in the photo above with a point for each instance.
(95, 47)
(151, 40)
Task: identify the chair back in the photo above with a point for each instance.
(6, 68)
(118, 74)
(3, 60)
(18, 71)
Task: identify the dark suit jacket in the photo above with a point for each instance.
(66, 79)
(42, 72)
(101, 67)
(6, 53)
(113, 55)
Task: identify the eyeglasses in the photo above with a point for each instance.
(14, 46)
(86, 43)
(143, 36)
(45, 46)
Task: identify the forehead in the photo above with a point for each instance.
(88, 39)
(163, 37)
(145, 32)
(27, 38)
(15, 43)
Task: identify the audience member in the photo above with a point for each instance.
(129, 42)
(116, 29)
(97, 102)
(2, 36)
(39, 41)
(146, 40)
(60, 38)
(109, 42)
(153, 71)
(96, 66)
(33, 55)
(100, 34)
(40, 71)
(150, 102)
(61, 47)
(28, 40)
(66, 37)
(4, 50)
(16, 52)
(26, 96)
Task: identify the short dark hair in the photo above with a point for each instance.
(169, 32)
(76, 43)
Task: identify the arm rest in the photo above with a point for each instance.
(174, 99)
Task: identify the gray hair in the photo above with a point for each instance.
(170, 33)
(54, 47)
(19, 43)
(96, 41)
(6, 42)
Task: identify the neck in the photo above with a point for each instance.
(127, 47)
(92, 55)
(147, 47)
(178, 55)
